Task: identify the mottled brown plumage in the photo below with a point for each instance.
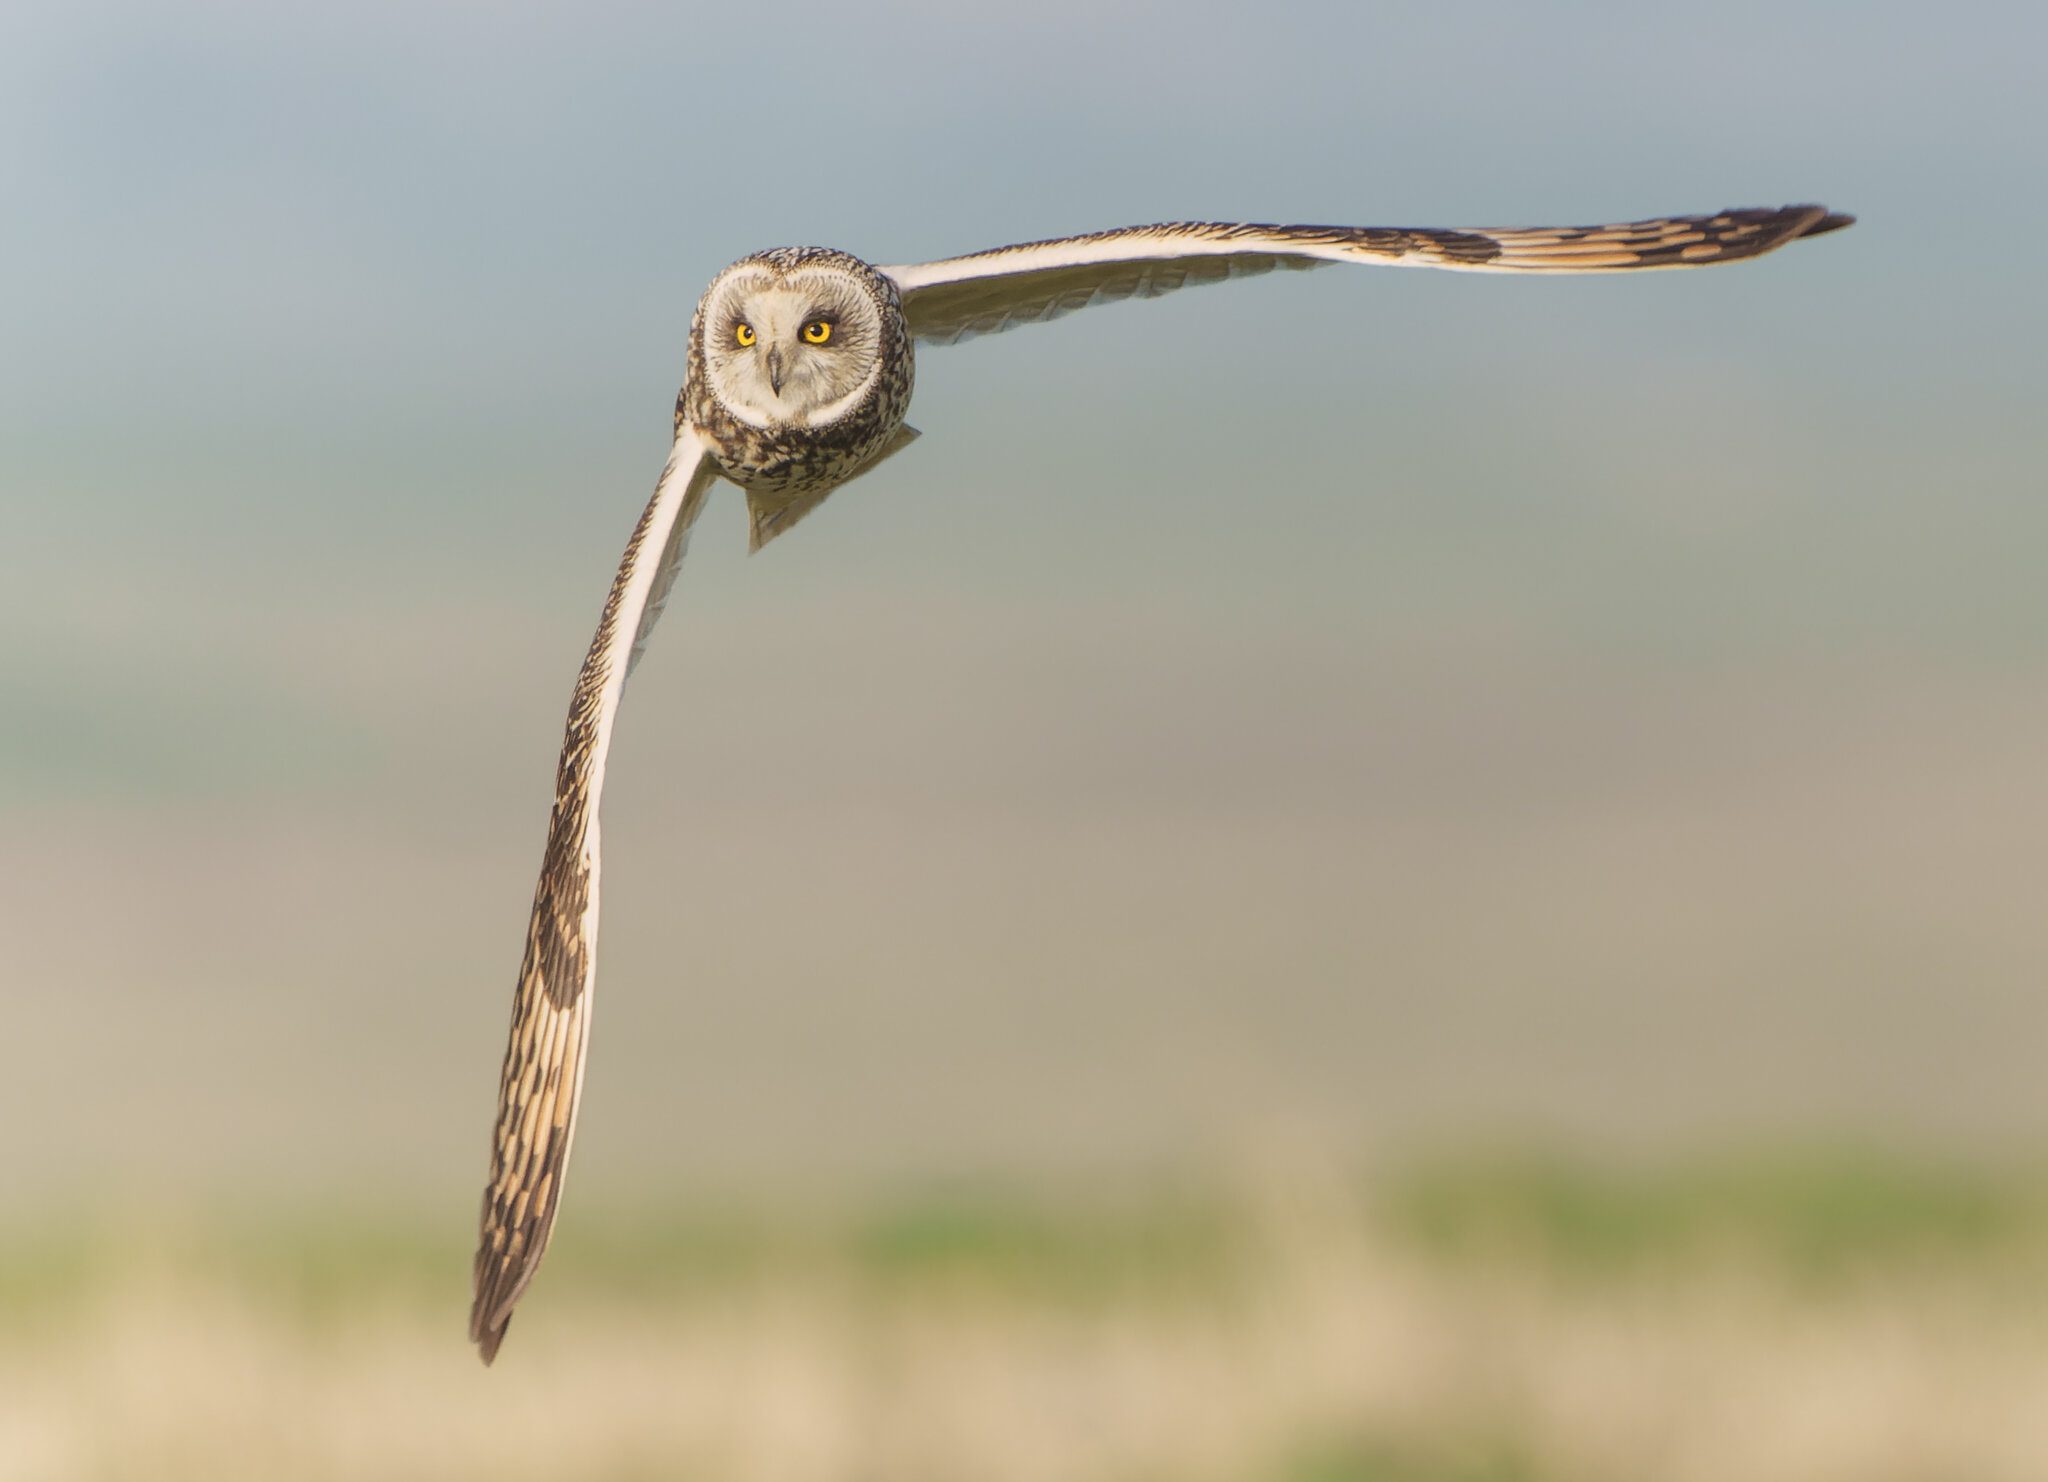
(792, 416)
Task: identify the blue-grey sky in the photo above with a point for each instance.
(1288, 688)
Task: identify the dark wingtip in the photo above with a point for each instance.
(484, 1333)
(487, 1342)
(1833, 221)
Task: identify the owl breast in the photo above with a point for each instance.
(803, 458)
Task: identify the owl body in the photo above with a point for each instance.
(833, 329)
(799, 372)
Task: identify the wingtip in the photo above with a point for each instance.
(487, 1341)
(489, 1315)
(1827, 221)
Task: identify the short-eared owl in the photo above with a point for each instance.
(798, 377)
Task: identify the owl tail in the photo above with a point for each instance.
(768, 515)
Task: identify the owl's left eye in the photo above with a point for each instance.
(818, 331)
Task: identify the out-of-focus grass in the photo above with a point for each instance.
(1468, 1319)
(1157, 1246)
(1808, 1217)
(1026, 1246)
(1815, 1216)
(1374, 1458)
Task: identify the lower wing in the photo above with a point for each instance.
(543, 1074)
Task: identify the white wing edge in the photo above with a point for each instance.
(1163, 243)
(701, 474)
(640, 591)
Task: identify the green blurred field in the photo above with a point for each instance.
(1488, 1319)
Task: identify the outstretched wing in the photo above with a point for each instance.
(959, 297)
(543, 1072)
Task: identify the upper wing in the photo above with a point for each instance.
(543, 1072)
(959, 297)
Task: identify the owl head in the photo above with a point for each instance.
(795, 337)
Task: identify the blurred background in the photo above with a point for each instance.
(1359, 876)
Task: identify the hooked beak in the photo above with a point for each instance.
(775, 370)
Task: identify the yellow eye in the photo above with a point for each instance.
(744, 333)
(817, 331)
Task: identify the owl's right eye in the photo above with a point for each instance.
(743, 333)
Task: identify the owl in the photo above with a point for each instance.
(798, 377)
